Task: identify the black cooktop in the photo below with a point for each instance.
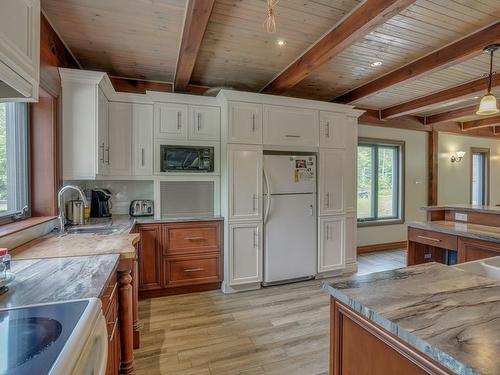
(31, 338)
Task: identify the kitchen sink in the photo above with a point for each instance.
(489, 267)
(101, 228)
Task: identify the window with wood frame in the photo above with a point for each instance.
(380, 189)
(14, 159)
(480, 161)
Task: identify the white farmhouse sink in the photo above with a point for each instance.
(489, 267)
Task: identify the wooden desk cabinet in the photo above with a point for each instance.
(179, 258)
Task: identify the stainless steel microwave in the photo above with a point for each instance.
(186, 158)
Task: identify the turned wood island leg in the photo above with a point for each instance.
(126, 317)
(135, 286)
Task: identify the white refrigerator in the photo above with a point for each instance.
(290, 225)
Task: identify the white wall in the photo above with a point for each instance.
(454, 178)
(415, 183)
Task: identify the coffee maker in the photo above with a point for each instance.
(100, 203)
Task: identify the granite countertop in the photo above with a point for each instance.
(465, 207)
(58, 279)
(53, 245)
(476, 231)
(451, 315)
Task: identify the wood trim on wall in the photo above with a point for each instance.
(382, 247)
(432, 166)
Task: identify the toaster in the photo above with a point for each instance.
(142, 207)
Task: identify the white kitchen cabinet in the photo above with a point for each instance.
(331, 254)
(102, 134)
(204, 123)
(332, 127)
(245, 182)
(245, 257)
(245, 123)
(171, 120)
(331, 181)
(19, 50)
(142, 140)
(120, 139)
(290, 126)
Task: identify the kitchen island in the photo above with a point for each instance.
(425, 319)
(455, 234)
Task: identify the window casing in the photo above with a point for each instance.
(14, 157)
(480, 161)
(380, 188)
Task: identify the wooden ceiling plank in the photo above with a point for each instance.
(197, 16)
(358, 24)
(454, 53)
(482, 123)
(439, 97)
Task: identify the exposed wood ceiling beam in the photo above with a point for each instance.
(443, 96)
(451, 115)
(454, 53)
(197, 15)
(455, 127)
(482, 123)
(372, 117)
(138, 86)
(354, 27)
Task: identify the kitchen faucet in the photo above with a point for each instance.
(62, 213)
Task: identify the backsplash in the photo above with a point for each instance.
(123, 192)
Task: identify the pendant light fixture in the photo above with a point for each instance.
(270, 21)
(488, 104)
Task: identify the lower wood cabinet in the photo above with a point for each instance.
(110, 309)
(179, 257)
(470, 249)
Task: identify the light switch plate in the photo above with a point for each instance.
(460, 217)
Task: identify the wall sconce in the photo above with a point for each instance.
(457, 157)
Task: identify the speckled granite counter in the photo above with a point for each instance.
(476, 231)
(70, 245)
(58, 279)
(466, 208)
(451, 315)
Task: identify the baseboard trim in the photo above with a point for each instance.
(382, 247)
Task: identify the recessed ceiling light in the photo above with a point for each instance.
(280, 42)
(476, 97)
(376, 63)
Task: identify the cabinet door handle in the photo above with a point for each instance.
(142, 157)
(107, 151)
(327, 129)
(255, 239)
(327, 200)
(292, 136)
(327, 230)
(113, 330)
(253, 123)
(429, 238)
(194, 269)
(179, 117)
(194, 238)
(199, 121)
(102, 148)
(255, 202)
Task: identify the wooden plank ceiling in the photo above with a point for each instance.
(140, 39)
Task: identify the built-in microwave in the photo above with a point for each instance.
(174, 158)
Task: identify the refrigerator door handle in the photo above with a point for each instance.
(312, 209)
(268, 196)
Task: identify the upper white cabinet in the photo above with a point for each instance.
(19, 50)
(142, 140)
(183, 121)
(332, 127)
(171, 120)
(331, 181)
(120, 139)
(85, 138)
(245, 182)
(204, 123)
(291, 126)
(331, 254)
(245, 123)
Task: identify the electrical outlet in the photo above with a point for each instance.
(460, 217)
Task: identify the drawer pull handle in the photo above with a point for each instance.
(194, 269)
(292, 136)
(194, 238)
(114, 329)
(113, 292)
(429, 238)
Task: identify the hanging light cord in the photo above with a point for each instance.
(491, 70)
(270, 21)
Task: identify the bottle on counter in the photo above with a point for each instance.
(5, 258)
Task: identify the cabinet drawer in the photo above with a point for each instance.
(181, 239)
(109, 294)
(444, 241)
(189, 271)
